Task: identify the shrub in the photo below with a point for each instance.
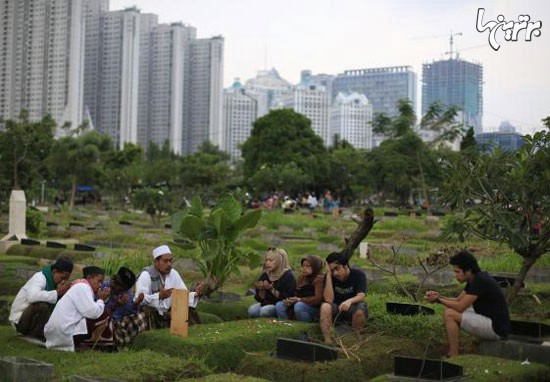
(33, 221)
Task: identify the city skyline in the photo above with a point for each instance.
(328, 36)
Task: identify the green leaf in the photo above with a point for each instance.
(248, 220)
(230, 206)
(191, 227)
(196, 208)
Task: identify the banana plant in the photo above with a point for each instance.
(216, 236)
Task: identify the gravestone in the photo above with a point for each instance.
(19, 369)
(405, 309)
(84, 247)
(29, 242)
(18, 216)
(426, 369)
(363, 250)
(223, 297)
(297, 350)
(54, 244)
(535, 332)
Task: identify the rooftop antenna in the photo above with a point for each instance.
(450, 52)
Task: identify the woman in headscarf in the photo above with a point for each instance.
(309, 293)
(275, 284)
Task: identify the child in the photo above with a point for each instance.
(309, 293)
(275, 284)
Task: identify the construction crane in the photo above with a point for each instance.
(450, 52)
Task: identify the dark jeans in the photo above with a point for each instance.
(34, 319)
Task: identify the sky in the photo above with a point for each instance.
(330, 36)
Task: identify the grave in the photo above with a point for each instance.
(19, 369)
(506, 282)
(54, 244)
(422, 369)
(390, 213)
(29, 242)
(84, 247)
(18, 216)
(517, 350)
(24, 273)
(405, 309)
(51, 224)
(86, 378)
(533, 332)
(297, 350)
(124, 222)
(223, 297)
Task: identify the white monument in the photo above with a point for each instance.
(18, 216)
(363, 250)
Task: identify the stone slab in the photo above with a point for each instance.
(517, 350)
(19, 369)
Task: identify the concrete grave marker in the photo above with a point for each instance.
(19, 369)
(18, 216)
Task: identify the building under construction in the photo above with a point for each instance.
(455, 82)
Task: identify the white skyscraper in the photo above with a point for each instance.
(203, 94)
(313, 102)
(269, 88)
(42, 64)
(119, 67)
(351, 120)
(240, 110)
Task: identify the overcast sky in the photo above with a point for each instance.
(330, 36)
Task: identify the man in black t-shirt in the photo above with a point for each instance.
(480, 309)
(344, 295)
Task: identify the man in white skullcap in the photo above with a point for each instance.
(156, 282)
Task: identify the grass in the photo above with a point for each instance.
(143, 365)
(229, 342)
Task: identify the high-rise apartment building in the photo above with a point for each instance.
(41, 66)
(240, 110)
(307, 78)
(313, 102)
(351, 120)
(166, 84)
(147, 23)
(117, 96)
(383, 87)
(269, 88)
(455, 82)
(203, 94)
(93, 12)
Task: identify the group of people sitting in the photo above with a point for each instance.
(339, 295)
(87, 311)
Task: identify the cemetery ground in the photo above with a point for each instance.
(230, 347)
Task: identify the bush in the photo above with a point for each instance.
(33, 221)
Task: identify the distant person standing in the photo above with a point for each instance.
(480, 309)
(35, 301)
(312, 202)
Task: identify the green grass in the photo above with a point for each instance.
(143, 365)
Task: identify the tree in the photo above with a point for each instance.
(74, 160)
(24, 145)
(280, 137)
(504, 197)
(216, 236)
(468, 142)
(122, 169)
(404, 150)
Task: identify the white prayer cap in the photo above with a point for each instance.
(162, 250)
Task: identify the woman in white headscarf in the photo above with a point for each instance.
(275, 284)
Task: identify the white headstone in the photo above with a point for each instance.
(363, 250)
(18, 216)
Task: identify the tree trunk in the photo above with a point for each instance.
(73, 193)
(362, 230)
(525, 266)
